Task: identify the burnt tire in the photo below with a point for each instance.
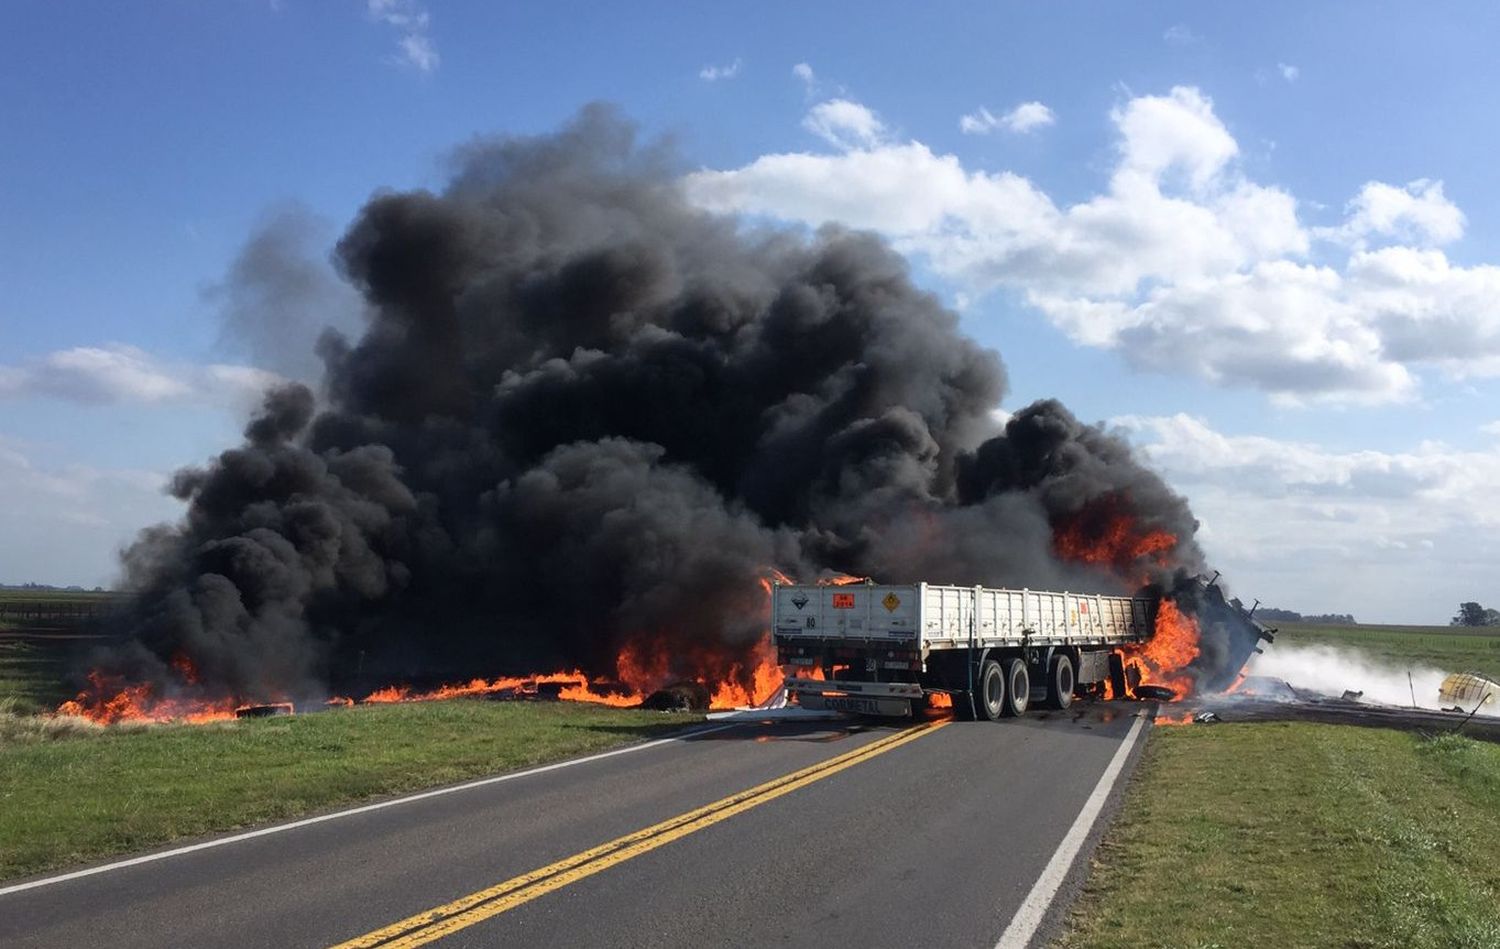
(1017, 689)
(1061, 681)
(989, 692)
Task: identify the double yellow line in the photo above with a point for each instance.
(464, 912)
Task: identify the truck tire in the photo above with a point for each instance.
(1116, 675)
(989, 691)
(1017, 689)
(1060, 681)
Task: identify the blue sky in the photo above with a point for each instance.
(1333, 439)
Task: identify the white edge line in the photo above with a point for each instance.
(1029, 917)
(364, 809)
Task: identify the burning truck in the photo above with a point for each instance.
(889, 649)
(582, 419)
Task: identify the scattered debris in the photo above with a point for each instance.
(1350, 695)
(1471, 689)
(682, 697)
(1266, 687)
(1155, 693)
(1207, 718)
(269, 710)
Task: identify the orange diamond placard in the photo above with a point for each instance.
(890, 602)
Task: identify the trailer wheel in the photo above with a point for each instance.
(989, 700)
(1017, 689)
(1060, 682)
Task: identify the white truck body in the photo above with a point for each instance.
(883, 641)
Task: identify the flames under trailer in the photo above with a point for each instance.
(882, 649)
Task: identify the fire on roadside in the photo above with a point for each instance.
(1103, 535)
(641, 668)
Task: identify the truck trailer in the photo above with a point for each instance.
(881, 649)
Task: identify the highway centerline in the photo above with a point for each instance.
(440, 921)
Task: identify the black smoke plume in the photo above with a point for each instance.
(584, 415)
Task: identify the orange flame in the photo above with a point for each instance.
(1105, 534)
(641, 667)
(841, 580)
(108, 701)
(1163, 659)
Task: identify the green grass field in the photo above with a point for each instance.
(99, 792)
(1452, 649)
(33, 675)
(1293, 834)
(15, 594)
(41, 631)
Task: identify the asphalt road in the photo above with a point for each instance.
(930, 837)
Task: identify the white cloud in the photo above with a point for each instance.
(1023, 118)
(411, 20)
(1181, 35)
(1173, 133)
(804, 72)
(402, 14)
(1028, 116)
(119, 374)
(715, 73)
(845, 124)
(1289, 73)
(1316, 530)
(1418, 213)
(64, 523)
(1182, 263)
(417, 51)
(979, 122)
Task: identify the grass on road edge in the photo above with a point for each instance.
(67, 801)
(1297, 834)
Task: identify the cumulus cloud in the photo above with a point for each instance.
(1319, 530)
(1419, 213)
(1022, 119)
(411, 20)
(715, 73)
(1181, 262)
(1289, 73)
(845, 124)
(120, 374)
(804, 72)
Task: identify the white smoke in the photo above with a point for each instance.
(1332, 670)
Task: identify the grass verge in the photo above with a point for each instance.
(98, 792)
(1294, 834)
